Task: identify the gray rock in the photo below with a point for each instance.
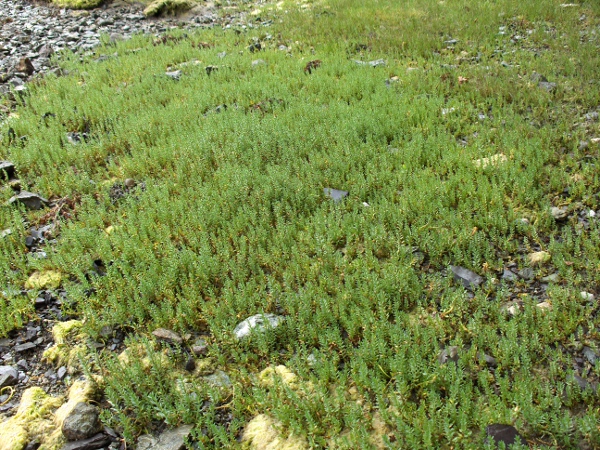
(82, 423)
(200, 347)
(590, 355)
(509, 275)
(507, 434)
(468, 278)
(175, 75)
(448, 354)
(559, 213)
(98, 441)
(527, 273)
(29, 200)
(583, 383)
(219, 379)
(552, 278)
(547, 86)
(257, 323)
(165, 335)
(24, 347)
(168, 440)
(335, 194)
(9, 376)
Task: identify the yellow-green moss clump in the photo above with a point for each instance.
(263, 433)
(40, 417)
(64, 352)
(168, 7)
(33, 420)
(77, 4)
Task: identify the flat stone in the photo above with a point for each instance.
(468, 278)
(82, 423)
(503, 433)
(29, 200)
(24, 347)
(258, 322)
(335, 194)
(162, 334)
(9, 376)
(95, 442)
(168, 440)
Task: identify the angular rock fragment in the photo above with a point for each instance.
(165, 335)
(97, 441)
(29, 200)
(8, 376)
(468, 278)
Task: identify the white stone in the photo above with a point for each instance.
(258, 322)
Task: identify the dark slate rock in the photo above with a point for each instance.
(82, 423)
(24, 347)
(29, 200)
(95, 442)
(503, 433)
(468, 278)
(9, 376)
(7, 170)
(335, 194)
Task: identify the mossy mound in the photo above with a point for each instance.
(77, 4)
(168, 7)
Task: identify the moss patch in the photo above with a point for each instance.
(78, 4)
(168, 7)
(262, 433)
